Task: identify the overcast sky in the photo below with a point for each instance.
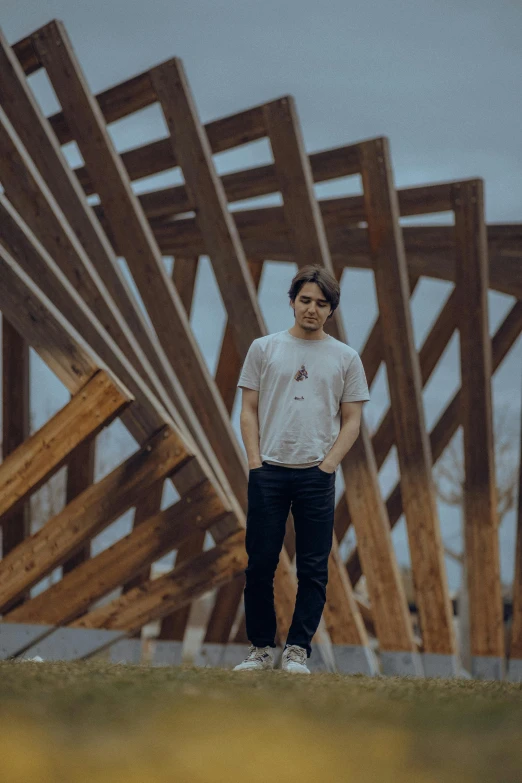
(440, 79)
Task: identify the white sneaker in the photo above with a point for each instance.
(258, 658)
(294, 660)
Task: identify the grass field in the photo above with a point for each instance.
(80, 722)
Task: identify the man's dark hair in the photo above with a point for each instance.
(326, 282)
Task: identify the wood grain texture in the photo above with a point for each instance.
(480, 491)
(25, 470)
(430, 249)
(206, 195)
(140, 250)
(90, 512)
(162, 596)
(43, 147)
(515, 647)
(447, 424)
(405, 388)
(152, 539)
(174, 625)
(15, 424)
(80, 476)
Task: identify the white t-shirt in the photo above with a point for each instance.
(301, 385)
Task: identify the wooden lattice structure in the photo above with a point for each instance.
(63, 293)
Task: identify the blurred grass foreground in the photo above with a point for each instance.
(79, 722)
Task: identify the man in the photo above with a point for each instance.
(302, 396)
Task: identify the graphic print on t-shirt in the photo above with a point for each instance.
(301, 374)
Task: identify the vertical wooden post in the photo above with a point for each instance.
(405, 385)
(515, 663)
(480, 495)
(15, 426)
(80, 475)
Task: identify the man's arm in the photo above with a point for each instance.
(249, 423)
(350, 426)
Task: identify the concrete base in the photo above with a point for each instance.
(15, 637)
(354, 659)
(318, 660)
(234, 654)
(166, 653)
(401, 664)
(487, 667)
(514, 673)
(437, 665)
(70, 644)
(126, 651)
(209, 655)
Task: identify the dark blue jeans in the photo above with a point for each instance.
(272, 492)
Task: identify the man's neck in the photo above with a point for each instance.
(303, 334)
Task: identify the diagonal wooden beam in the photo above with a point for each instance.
(306, 229)
(184, 277)
(404, 382)
(448, 423)
(207, 197)
(155, 537)
(90, 512)
(67, 354)
(229, 362)
(371, 357)
(90, 410)
(43, 146)
(139, 248)
(164, 595)
(480, 491)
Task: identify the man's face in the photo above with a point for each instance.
(311, 308)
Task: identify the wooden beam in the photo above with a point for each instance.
(404, 382)
(447, 424)
(164, 595)
(155, 537)
(148, 506)
(341, 612)
(157, 156)
(44, 452)
(430, 249)
(480, 491)
(515, 646)
(174, 625)
(138, 247)
(224, 611)
(184, 276)
(43, 327)
(43, 148)
(229, 362)
(146, 416)
(15, 424)
(207, 197)
(429, 355)
(89, 513)
(80, 476)
(306, 230)
(371, 357)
